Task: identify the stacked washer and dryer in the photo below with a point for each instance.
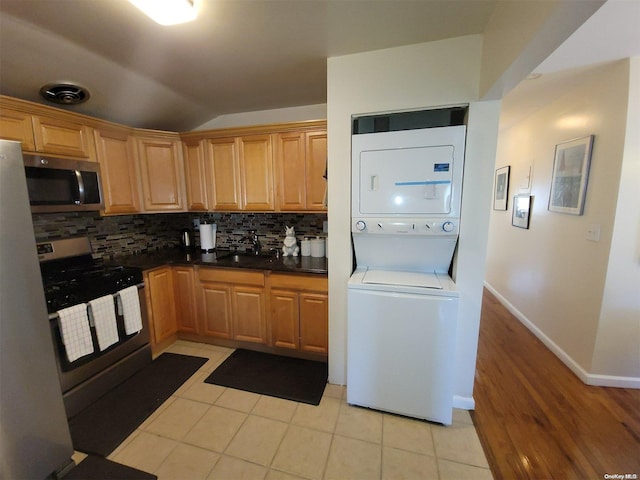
(407, 173)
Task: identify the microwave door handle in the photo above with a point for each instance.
(81, 193)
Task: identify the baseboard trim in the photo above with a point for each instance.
(581, 373)
(464, 403)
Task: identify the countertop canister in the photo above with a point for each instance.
(305, 247)
(317, 247)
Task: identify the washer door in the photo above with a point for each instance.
(405, 279)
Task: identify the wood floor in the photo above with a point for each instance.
(537, 420)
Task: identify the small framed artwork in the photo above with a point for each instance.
(570, 175)
(521, 211)
(501, 188)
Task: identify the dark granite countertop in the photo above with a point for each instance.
(223, 259)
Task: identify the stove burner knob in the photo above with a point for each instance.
(448, 226)
(360, 225)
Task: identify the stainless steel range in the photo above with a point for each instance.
(72, 279)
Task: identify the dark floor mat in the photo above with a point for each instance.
(103, 425)
(98, 468)
(273, 375)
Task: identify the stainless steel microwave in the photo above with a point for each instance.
(62, 185)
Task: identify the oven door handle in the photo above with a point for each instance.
(54, 315)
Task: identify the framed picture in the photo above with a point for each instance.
(521, 211)
(501, 188)
(570, 175)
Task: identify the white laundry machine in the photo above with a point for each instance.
(402, 304)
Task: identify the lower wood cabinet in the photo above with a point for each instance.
(161, 308)
(273, 310)
(184, 288)
(233, 304)
(299, 312)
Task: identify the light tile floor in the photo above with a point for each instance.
(210, 432)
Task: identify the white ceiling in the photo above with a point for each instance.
(249, 55)
(238, 56)
(610, 34)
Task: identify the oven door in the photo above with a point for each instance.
(86, 379)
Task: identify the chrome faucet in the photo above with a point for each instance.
(256, 246)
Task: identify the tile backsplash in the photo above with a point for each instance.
(131, 234)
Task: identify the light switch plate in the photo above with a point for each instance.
(593, 233)
(325, 226)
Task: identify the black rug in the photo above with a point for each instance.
(273, 375)
(103, 425)
(98, 468)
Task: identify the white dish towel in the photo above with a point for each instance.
(129, 306)
(103, 312)
(76, 335)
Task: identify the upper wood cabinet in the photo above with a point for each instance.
(16, 125)
(223, 173)
(48, 134)
(195, 175)
(240, 173)
(161, 172)
(117, 155)
(316, 170)
(300, 159)
(256, 173)
(63, 137)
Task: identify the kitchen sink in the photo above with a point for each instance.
(240, 258)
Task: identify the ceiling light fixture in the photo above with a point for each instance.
(168, 12)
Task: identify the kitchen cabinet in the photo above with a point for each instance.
(195, 175)
(47, 134)
(299, 312)
(240, 173)
(161, 172)
(17, 126)
(184, 285)
(63, 137)
(256, 173)
(161, 309)
(223, 173)
(300, 168)
(117, 155)
(233, 304)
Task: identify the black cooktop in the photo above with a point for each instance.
(79, 280)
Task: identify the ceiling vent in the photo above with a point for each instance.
(65, 93)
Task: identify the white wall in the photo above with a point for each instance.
(550, 275)
(617, 349)
(416, 76)
(280, 115)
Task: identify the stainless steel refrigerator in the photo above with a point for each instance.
(34, 436)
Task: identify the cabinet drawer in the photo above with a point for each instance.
(236, 276)
(299, 282)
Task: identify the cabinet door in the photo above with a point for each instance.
(256, 173)
(195, 176)
(185, 298)
(161, 303)
(290, 171)
(17, 126)
(285, 331)
(162, 173)
(116, 151)
(249, 316)
(62, 137)
(316, 167)
(223, 173)
(314, 314)
(216, 310)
